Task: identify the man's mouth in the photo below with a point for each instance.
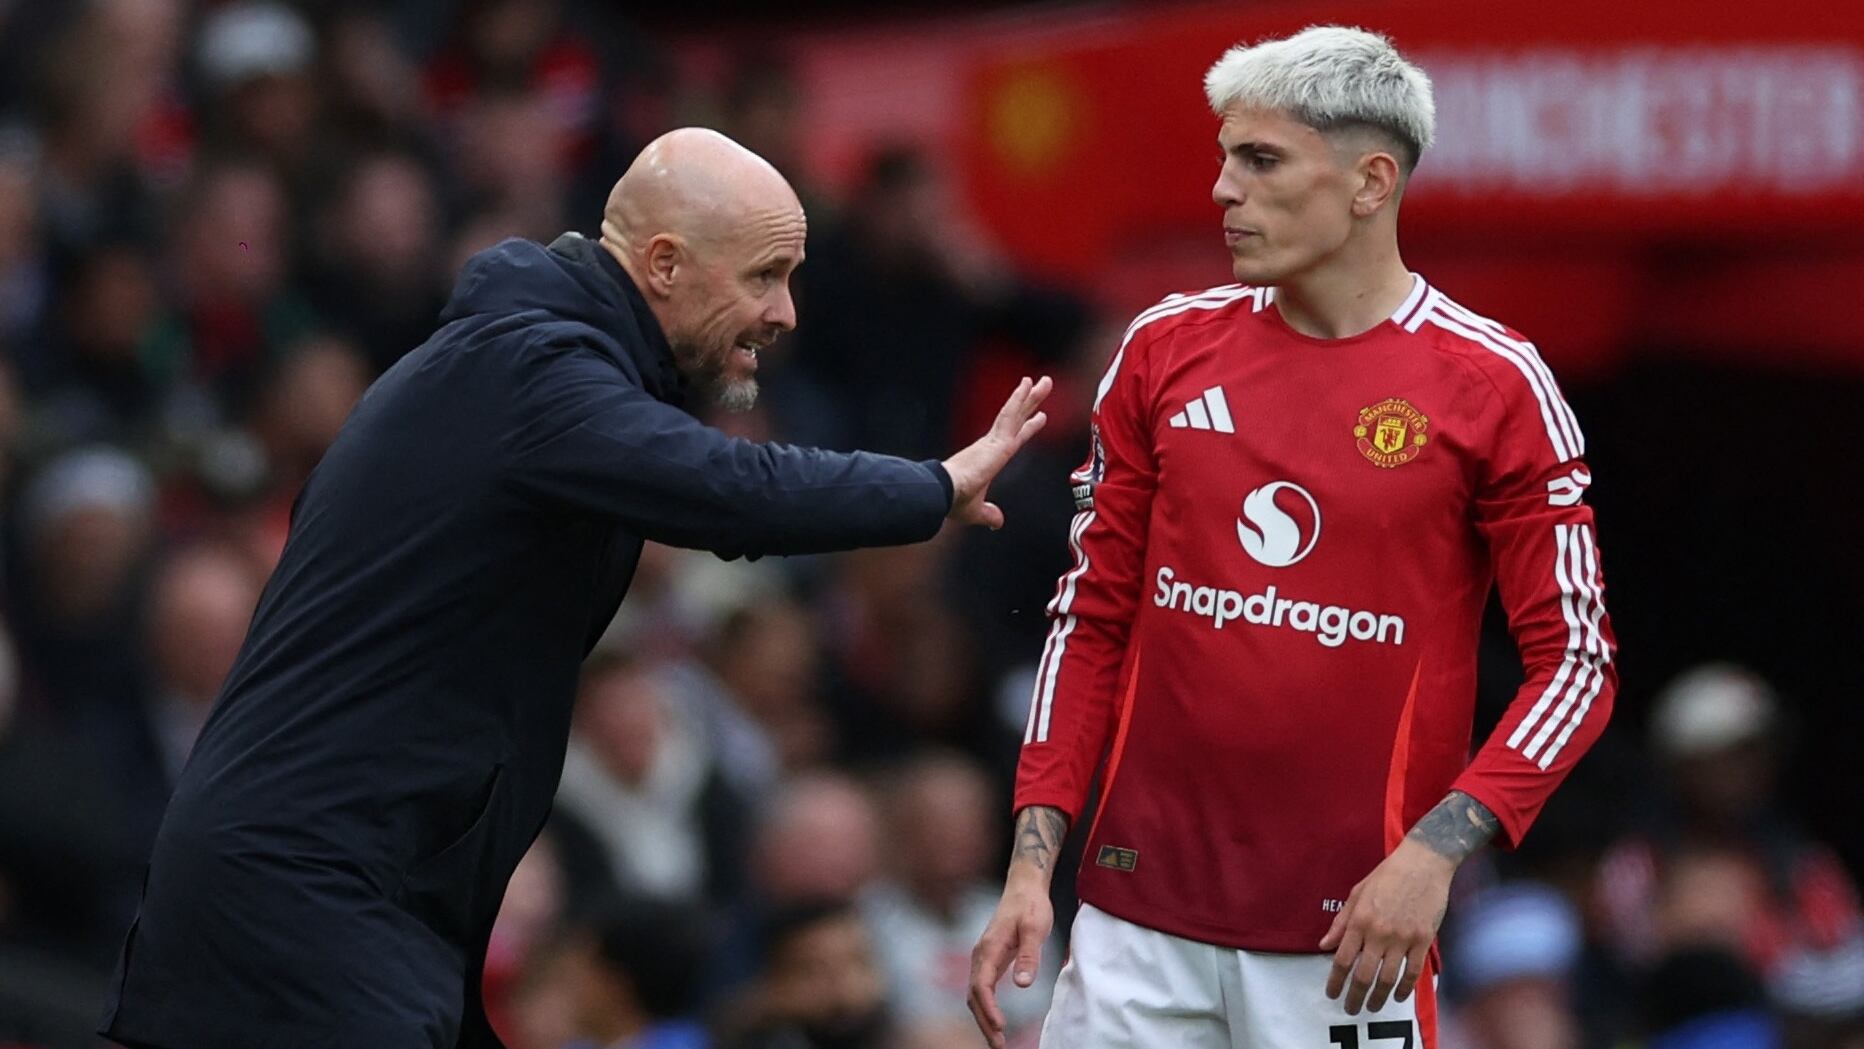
(750, 348)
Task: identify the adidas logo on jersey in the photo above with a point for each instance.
(1209, 412)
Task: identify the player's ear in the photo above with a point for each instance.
(1379, 180)
(665, 255)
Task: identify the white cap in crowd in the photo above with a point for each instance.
(1711, 708)
(246, 40)
(1518, 931)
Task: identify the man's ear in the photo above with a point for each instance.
(1379, 182)
(665, 256)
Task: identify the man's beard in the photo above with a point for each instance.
(707, 377)
(736, 395)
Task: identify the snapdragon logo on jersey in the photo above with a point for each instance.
(1277, 538)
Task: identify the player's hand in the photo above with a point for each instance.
(975, 467)
(1016, 934)
(1387, 926)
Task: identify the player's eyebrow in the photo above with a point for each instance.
(1255, 147)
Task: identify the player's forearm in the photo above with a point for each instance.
(1457, 827)
(1040, 831)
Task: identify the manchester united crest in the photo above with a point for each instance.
(1391, 433)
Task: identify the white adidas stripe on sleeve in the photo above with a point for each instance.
(1600, 653)
(1581, 675)
(1042, 699)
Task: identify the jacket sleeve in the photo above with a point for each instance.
(1075, 706)
(581, 436)
(1531, 511)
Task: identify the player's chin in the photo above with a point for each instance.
(737, 395)
(1253, 271)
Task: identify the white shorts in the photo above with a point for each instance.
(1129, 987)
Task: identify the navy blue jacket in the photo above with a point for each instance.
(388, 743)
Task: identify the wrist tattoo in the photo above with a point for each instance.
(1458, 826)
(1039, 833)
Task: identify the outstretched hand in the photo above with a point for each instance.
(973, 468)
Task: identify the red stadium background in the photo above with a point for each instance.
(1617, 174)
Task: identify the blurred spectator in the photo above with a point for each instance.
(379, 275)
(373, 87)
(103, 388)
(306, 399)
(108, 124)
(238, 310)
(903, 674)
(522, 48)
(144, 42)
(627, 978)
(524, 97)
(643, 993)
(25, 278)
(757, 693)
(86, 523)
(910, 291)
(764, 108)
(641, 778)
(257, 59)
(819, 839)
(663, 624)
(1512, 958)
(1721, 865)
(201, 602)
(87, 533)
(535, 901)
(818, 986)
(507, 160)
(543, 1007)
(929, 913)
(1705, 998)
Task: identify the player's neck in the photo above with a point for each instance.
(1345, 296)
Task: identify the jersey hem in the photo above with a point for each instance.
(1277, 942)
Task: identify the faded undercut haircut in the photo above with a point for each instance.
(1331, 78)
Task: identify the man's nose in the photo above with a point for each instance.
(1225, 191)
(782, 313)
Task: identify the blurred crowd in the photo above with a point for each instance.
(783, 816)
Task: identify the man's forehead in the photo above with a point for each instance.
(774, 231)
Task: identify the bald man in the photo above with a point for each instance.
(387, 744)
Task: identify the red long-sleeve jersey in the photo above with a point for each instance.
(1269, 634)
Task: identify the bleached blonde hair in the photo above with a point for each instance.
(1330, 78)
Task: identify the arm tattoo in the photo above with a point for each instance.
(1458, 826)
(1039, 833)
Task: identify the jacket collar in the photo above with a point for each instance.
(638, 332)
